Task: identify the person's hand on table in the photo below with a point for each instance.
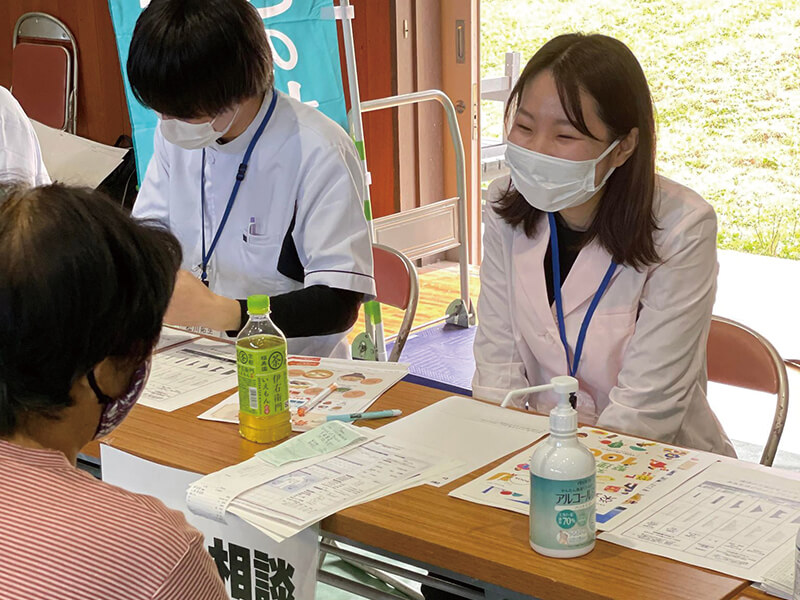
(193, 305)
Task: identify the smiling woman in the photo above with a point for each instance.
(636, 254)
(615, 132)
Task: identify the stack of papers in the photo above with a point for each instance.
(323, 471)
(687, 505)
(283, 490)
(631, 474)
(779, 581)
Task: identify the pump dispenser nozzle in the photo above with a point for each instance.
(564, 417)
(565, 386)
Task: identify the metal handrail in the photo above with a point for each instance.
(461, 173)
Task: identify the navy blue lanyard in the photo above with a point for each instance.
(556, 265)
(206, 256)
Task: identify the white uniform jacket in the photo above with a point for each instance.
(20, 155)
(643, 368)
(302, 193)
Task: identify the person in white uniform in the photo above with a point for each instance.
(594, 265)
(263, 192)
(20, 156)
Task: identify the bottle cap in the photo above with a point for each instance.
(563, 420)
(258, 304)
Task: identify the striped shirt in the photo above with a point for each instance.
(66, 535)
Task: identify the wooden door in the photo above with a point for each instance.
(435, 46)
(460, 23)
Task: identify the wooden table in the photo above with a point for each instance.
(426, 527)
(754, 594)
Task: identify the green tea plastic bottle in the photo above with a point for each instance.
(263, 379)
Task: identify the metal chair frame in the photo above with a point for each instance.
(411, 309)
(781, 391)
(41, 26)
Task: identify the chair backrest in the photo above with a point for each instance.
(397, 285)
(741, 357)
(44, 70)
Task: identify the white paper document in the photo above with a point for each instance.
(631, 474)
(75, 160)
(211, 495)
(281, 501)
(469, 431)
(358, 383)
(779, 580)
(227, 411)
(307, 495)
(731, 518)
(186, 374)
(322, 440)
(173, 337)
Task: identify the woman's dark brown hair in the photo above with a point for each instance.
(606, 70)
(80, 281)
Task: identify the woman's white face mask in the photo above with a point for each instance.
(552, 184)
(192, 136)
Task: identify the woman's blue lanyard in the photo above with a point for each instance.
(556, 265)
(206, 256)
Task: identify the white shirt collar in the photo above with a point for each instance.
(239, 144)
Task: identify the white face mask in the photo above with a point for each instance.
(552, 184)
(192, 136)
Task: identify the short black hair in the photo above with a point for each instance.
(196, 58)
(80, 281)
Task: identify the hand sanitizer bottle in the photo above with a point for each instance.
(562, 521)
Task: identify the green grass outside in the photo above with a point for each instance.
(725, 78)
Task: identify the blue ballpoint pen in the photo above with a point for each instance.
(378, 414)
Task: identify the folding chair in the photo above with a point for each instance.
(44, 70)
(397, 285)
(739, 356)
